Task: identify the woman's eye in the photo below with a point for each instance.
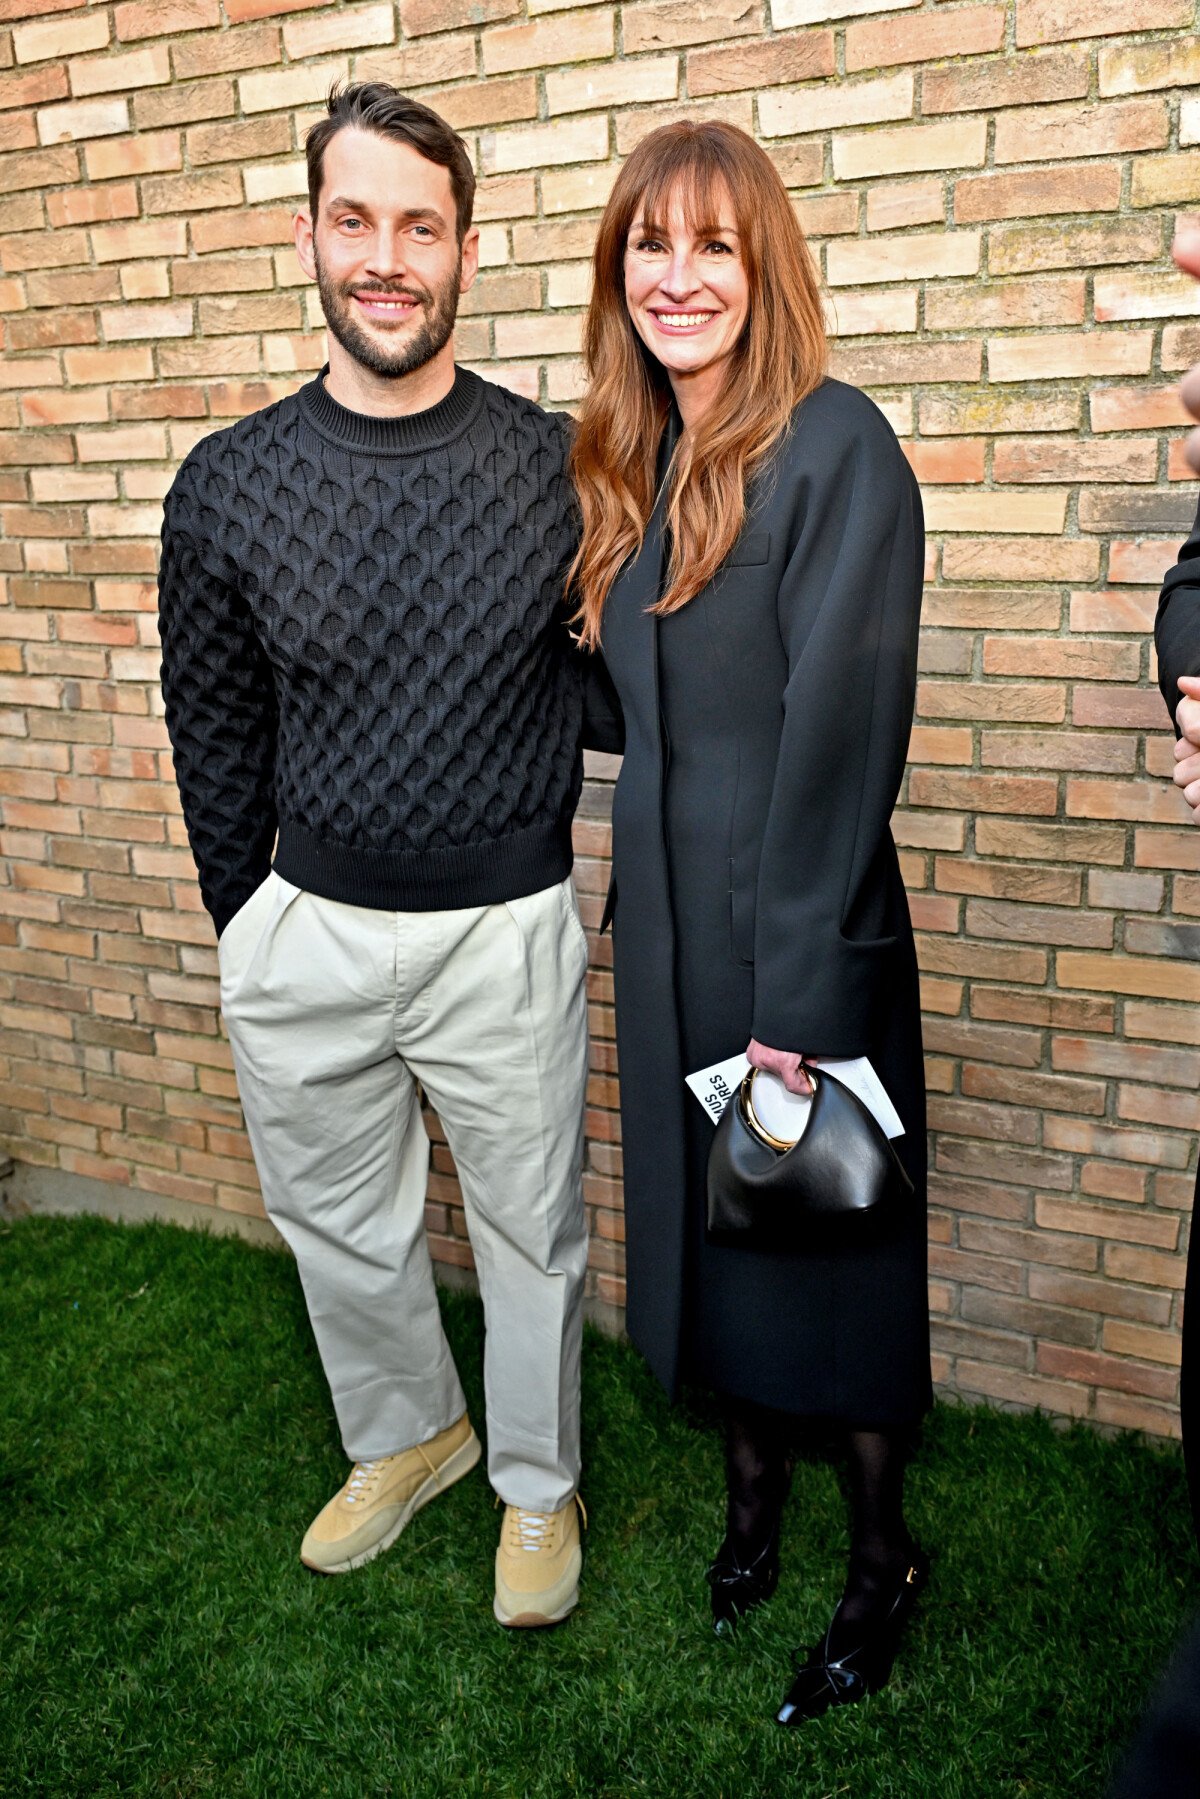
(647, 246)
(723, 248)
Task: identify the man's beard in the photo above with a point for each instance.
(440, 308)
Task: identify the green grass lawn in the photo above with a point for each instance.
(165, 1436)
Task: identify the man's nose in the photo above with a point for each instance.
(386, 258)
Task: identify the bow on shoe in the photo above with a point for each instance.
(823, 1680)
(736, 1590)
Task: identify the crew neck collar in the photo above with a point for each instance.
(401, 436)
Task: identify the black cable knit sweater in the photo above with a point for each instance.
(364, 648)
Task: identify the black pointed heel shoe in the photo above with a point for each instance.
(824, 1680)
(736, 1590)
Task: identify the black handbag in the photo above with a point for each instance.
(765, 1193)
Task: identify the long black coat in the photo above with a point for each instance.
(1177, 641)
(757, 893)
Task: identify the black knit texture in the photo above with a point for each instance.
(365, 647)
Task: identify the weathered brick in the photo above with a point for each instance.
(810, 12)
(44, 38)
(1005, 82)
(1057, 21)
(1052, 133)
(1041, 511)
(1066, 355)
(839, 105)
(34, 89)
(960, 143)
(1011, 881)
(420, 64)
(887, 365)
(779, 61)
(912, 256)
(1093, 187)
(350, 28)
(492, 102)
(928, 37)
(1163, 180)
(229, 141)
(42, 168)
(633, 124)
(419, 16)
(119, 74)
(1139, 68)
(184, 104)
(1136, 408)
(1020, 249)
(535, 146)
(550, 41)
(988, 410)
(245, 47)
(618, 84)
(896, 204)
(147, 154)
(667, 24)
(278, 88)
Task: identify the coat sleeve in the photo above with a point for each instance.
(1177, 626)
(849, 612)
(603, 719)
(219, 696)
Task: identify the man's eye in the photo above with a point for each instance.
(351, 224)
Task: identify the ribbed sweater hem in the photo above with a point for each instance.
(429, 880)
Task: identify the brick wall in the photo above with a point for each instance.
(992, 189)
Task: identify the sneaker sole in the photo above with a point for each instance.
(535, 1620)
(535, 1611)
(453, 1468)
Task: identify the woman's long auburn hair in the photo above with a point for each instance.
(779, 359)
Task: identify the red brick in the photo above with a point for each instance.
(164, 18)
(1049, 133)
(980, 86)
(1093, 187)
(779, 61)
(245, 47)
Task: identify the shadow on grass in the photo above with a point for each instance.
(165, 1436)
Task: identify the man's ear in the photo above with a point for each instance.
(470, 260)
(302, 232)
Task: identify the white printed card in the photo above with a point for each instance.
(785, 1114)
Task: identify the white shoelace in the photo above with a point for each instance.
(359, 1482)
(533, 1529)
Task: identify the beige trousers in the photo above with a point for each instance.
(335, 1013)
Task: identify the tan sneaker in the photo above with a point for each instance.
(380, 1497)
(537, 1566)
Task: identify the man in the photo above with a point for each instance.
(1177, 640)
(365, 656)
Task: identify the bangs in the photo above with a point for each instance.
(695, 176)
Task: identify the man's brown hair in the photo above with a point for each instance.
(376, 106)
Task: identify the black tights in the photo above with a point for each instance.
(758, 1467)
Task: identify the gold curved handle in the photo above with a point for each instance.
(751, 1116)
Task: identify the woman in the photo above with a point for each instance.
(751, 564)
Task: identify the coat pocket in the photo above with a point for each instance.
(751, 550)
(742, 900)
